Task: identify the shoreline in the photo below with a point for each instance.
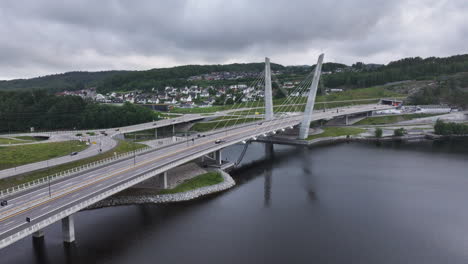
(228, 182)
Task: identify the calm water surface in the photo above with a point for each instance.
(347, 203)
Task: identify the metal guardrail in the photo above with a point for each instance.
(119, 186)
(63, 174)
(113, 190)
(85, 167)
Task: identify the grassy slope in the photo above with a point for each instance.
(380, 120)
(12, 156)
(354, 94)
(207, 179)
(337, 131)
(12, 141)
(122, 147)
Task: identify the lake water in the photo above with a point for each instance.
(344, 203)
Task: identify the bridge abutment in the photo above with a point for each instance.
(68, 229)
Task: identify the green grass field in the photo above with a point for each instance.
(19, 155)
(122, 147)
(11, 141)
(207, 179)
(381, 120)
(337, 131)
(202, 127)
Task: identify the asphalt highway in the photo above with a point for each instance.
(44, 202)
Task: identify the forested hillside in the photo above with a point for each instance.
(60, 82)
(21, 110)
(405, 69)
(358, 75)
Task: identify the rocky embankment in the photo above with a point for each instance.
(227, 183)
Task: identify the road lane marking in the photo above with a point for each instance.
(117, 172)
(123, 170)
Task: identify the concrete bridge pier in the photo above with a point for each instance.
(163, 179)
(269, 150)
(346, 120)
(38, 234)
(218, 157)
(68, 229)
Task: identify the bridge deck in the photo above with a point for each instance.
(98, 184)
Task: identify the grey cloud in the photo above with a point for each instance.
(57, 36)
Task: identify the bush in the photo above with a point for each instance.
(399, 132)
(442, 128)
(378, 132)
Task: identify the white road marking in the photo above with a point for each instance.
(8, 223)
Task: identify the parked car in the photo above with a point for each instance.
(4, 203)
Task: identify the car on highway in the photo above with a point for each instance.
(73, 153)
(28, 219)
(218, 141)
(4, 203)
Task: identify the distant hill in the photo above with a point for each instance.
(59, 82)
(356, 76)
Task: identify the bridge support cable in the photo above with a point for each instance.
(238, 102)
(289, 103)
(305, 125)
(252, 105)
(268, 94)
(241, 157)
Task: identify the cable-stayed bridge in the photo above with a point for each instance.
(30, 211)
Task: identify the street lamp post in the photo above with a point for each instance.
(48, 178)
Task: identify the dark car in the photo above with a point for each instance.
(4, 203)
(28, 219)
(73, 153)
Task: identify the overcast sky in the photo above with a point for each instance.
(46, 37)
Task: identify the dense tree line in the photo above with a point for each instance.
(60, 82)
(447, 90)
(24, 109)
(451, 128)
(405, 69)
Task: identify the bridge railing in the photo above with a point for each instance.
(93, 165)
(13, 236)
(60, 175)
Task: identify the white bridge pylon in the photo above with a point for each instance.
(307, 118)
(269, 115)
